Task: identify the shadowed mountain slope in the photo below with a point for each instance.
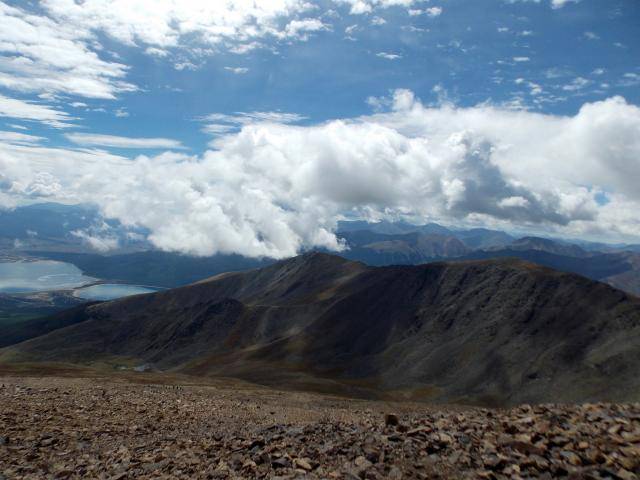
(492, 332)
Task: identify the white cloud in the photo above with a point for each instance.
(185, 65)
(377, 21)
(591, 36)
(237, 70)
(19, 138)
(272, 189)
(521, 59)
(99, 243)
(348, 31)
(359, 7)
(555, 4)
(561, 3)
(630, 80)
(222, 123)
(55, 48)
(156, 52)
(94, 139)
(577, 83)
(165, 24)
(121, 113)
(433, 11)
(24, 110)
(300, 29)
(534, 88)
(388, 56)
(45, 56)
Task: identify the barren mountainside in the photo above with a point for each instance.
(493, 332)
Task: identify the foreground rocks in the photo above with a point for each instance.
(91, 428)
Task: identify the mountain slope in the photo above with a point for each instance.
(492, 332)
(620, 270)
(549, 246)
(405, 249)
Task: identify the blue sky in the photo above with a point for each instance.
(104, 82)
(581, 52)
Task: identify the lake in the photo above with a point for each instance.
(109, 291)
(40, 276)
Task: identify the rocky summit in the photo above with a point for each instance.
(62, 428)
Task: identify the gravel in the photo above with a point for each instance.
(98, 428)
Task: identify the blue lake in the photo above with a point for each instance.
(40, 276)
(112, 291)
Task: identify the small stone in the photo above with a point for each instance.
(493, 462)
(303, 464)
(391, 420)
(362, 462)
(445, 439)
(571, 457)
(394, 474)
(626, 475)
(47, 442)
(615, 429)
(280, 463)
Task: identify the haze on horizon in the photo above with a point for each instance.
(253, 127)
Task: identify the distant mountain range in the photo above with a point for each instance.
(492, 332)
(619, 268)
(45, 231)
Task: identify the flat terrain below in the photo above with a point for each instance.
(115, 428)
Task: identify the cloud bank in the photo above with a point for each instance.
(273, 189)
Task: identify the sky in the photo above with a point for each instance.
(252, 127)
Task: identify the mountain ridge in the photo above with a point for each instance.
(487, 331)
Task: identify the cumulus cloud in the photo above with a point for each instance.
(95, 139)
(274, 188)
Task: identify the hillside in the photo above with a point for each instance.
(491, 332)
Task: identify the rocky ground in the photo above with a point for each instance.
(97, 428)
